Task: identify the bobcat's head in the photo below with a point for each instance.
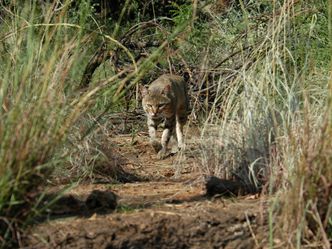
(157, 103)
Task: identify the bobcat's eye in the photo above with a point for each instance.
(149, 106)
(161, 106)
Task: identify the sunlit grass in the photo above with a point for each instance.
(269, 122)
(43, 53)
(270, 126)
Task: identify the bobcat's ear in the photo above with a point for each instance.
(144, 90)
(167, 89)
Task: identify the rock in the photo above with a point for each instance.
(101, 201)
(217, 186)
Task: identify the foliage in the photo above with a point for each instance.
(43, 48)
(40, 53)
(262, 81)
(259, 73)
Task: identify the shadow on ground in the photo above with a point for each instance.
(166, 207)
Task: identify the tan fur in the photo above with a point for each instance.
(166, 100)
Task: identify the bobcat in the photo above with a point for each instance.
(166, 100)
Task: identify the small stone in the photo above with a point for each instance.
(101, 200)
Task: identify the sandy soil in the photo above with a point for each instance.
(163, 206)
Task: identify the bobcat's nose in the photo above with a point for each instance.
(154, 112)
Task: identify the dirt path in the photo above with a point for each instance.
(166, 208)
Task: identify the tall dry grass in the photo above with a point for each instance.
(43, 49)
(306, 211)
(275, 109)
(40, 54)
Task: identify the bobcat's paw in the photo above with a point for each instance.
(156, 146)
(162, 154)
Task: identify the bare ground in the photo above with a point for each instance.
(164, 206)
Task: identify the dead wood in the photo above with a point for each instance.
(105, 53)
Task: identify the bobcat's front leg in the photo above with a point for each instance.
(180, 121)
(152, 126)
(168, 130)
